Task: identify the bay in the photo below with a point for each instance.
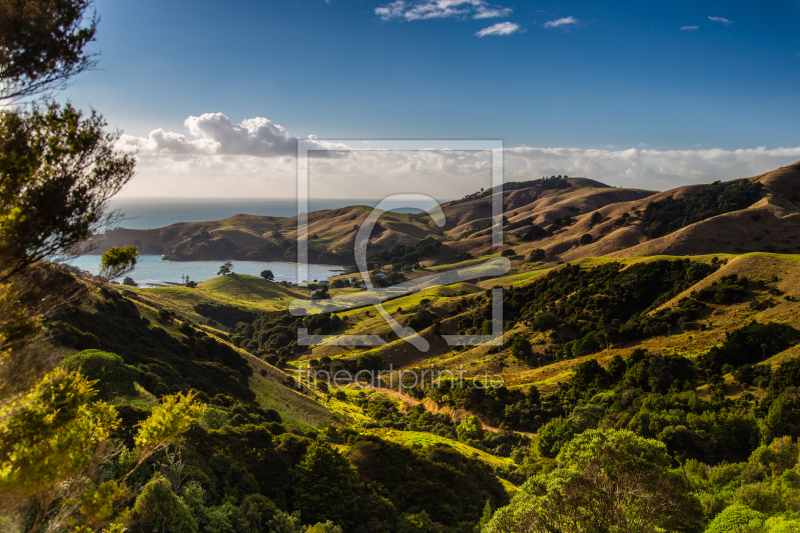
(148, 213)
(152, 271)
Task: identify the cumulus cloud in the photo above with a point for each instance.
(690, 28)
(647, 169)
(501, 28)
(440, 9)
(257, 158)
(566, 21)
(215, 134)
(724, 21)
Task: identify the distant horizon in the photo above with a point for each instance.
(651, 96)
(763, 167)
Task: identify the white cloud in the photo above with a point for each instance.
(215, 134)
(490, 13)
(390, 11)
(439, 9)
(646, 169)
(501, 28)
(256, 158)
(690, 28)
(566, 21)
(720, 19)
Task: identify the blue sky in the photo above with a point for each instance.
(613, 76)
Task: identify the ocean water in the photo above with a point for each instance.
(152, 271)
(148, 213)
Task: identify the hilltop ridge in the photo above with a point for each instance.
(553, 214)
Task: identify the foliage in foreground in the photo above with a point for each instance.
(607, 477)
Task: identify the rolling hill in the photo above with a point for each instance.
(235, 293)
(738, 216)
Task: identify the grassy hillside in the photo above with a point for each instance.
(638, 343)
(248, 293)
(569, 219)
(176, 354)
(647, 327)
(248, 289)
(717, 318)
(332, 233)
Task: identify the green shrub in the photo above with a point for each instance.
(113, 376)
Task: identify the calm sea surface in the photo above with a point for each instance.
(146, 213)
(151, 270)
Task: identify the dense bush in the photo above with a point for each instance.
(602, 304)
(112, 376)
(227, 315)
(165, 364)
(401, 254)
(751, 343)
(668, 215)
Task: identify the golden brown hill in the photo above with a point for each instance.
(784, 181)
(582, 218)
(332, 232)
(769, 224)
(530, 205)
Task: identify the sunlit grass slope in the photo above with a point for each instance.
(246, 292)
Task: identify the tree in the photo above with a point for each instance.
(327, 527)
(533, 233)
(164, 316)
(128, 281)
(113, 377)
(586, 238)
(783, 417)
(777, 457)
(157, 508)
(286, 523)
(118, 261)
(255, 514)
(326, 486)
(58, 171)
(509, 252)
(53, 441)
(267, 275)
(736, 517)
(604, 480)
(225, 268)
(520, 348)
(545, 321)
(470, 429)
(42, 45)
(537, 255)
(744, 376)
(416, 523)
